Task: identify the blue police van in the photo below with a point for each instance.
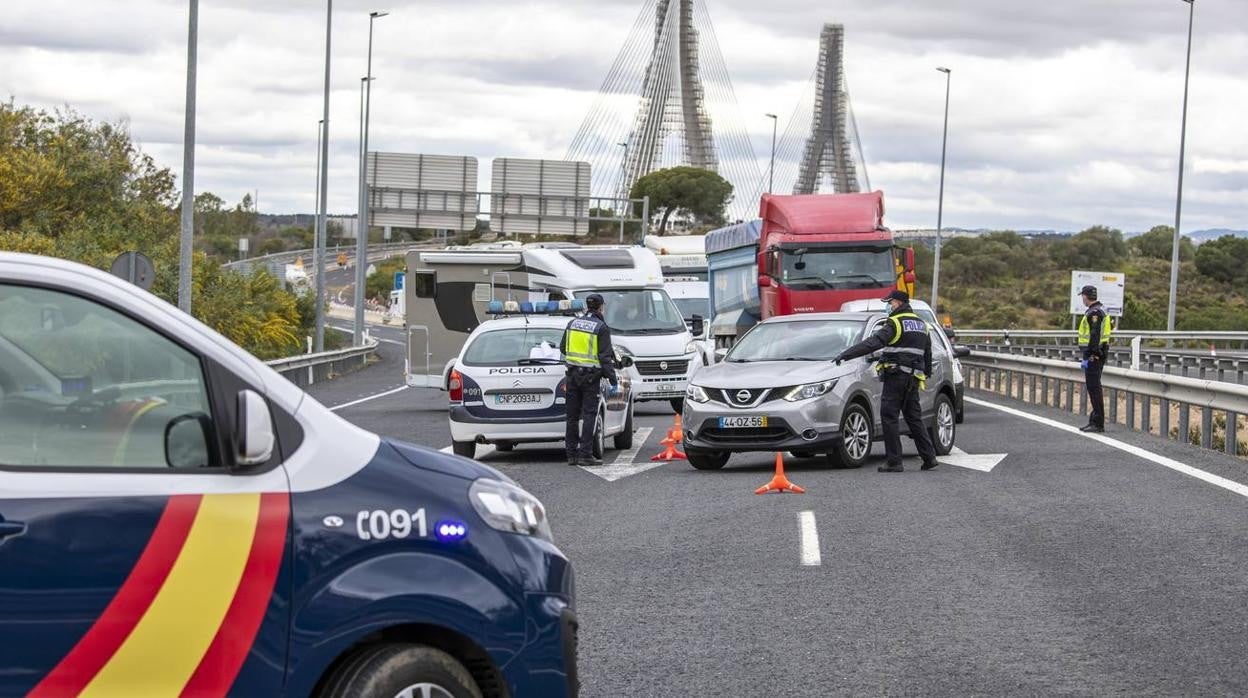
(178, 519)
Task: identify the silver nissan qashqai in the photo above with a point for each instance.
(777, 389)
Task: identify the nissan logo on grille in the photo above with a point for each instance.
(744, 395)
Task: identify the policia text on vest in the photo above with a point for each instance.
(587, 352)
(904, 366)
(1095, 330)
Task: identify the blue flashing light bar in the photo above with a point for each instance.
(450, 531)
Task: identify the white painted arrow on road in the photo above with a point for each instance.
(623, 465)
(983, 462)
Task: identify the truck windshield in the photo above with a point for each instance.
(804, 340)
(515, 346)
(636, 311)
(837, 267)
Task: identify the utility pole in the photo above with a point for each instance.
(940, 206)
(361, 224)
(322, 208)
(186, 247)
(1178, 205)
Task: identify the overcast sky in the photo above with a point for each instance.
(1064, 113)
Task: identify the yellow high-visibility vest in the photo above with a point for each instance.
(582, 345)
(1085, 330)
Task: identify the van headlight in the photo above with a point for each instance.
(809, 391)
(508, 508)
(697, 394)
(691, 348)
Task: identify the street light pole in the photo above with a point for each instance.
(316, 197)
(1178, 205)
(186, 242)
(361, 223)
(623, 194)
(771, 170)
(940, 206)
(322, 208)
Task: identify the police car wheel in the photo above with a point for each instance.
(466, 449)
(402, 671)
(600, 438)
(624, 440)
(944, 426)
(854, 447)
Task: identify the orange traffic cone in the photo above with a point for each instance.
(674, 436)
(779, 483)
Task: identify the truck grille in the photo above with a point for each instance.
(675, 367)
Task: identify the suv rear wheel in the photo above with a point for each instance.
(854, 447)
(624, 440)
(402, 671)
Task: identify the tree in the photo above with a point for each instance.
(1225, 259)
(1098, 248)
(692, 190)
(1158, 243)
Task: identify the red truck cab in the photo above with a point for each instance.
(817, 252)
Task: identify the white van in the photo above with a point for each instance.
(449, 292)
(683, 261)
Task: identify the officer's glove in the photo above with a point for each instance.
(613, 390)
(840, 358)
(1084, 364)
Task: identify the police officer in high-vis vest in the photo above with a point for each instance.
(586, 348)
(1094, 331)
(904, 366)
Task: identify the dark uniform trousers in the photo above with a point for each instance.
(901, 395)
(584, 390)
(1096, 395)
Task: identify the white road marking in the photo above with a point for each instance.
(983, 462)
(374, 335)
(639, 442)
(810, 539)
(623, 465)
(1170, 463)
(367, 399)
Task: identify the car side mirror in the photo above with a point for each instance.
(720, 354)
(950, 333)
(961, 351)
(699, 326)
(186, 441)
(254, 432)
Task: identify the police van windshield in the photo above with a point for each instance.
(796, 341)
(637, 311)
(837, 267)
(515, 346)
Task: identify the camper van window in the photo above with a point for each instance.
(425, 284)
(512, 347)
(640, 311)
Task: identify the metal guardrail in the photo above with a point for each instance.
(307, 369)
(290, 256)
(1136, 396)
(1071, 336)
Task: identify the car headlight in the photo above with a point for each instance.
(508, 508)
(691, 348)
(810, 390)
(697, 394)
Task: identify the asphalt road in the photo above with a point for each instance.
(1072, 568)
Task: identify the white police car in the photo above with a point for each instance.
(508, 385)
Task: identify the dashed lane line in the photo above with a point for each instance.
(353, 403)
(1215, 480)
(810, 539)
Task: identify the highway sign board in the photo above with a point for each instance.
(1110, 288)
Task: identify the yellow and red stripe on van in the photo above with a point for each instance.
(184, 621)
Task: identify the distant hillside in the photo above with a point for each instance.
(1200, 236)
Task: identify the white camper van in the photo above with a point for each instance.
(683, 261)
(449, 292)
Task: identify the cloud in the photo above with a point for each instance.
(1063, 114)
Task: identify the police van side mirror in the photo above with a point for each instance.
(624, 362)
(254, 431)
(698, 326)
(186, 441)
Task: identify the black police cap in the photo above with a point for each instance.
(594, 300)
(1089, 291)
(897, 295)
